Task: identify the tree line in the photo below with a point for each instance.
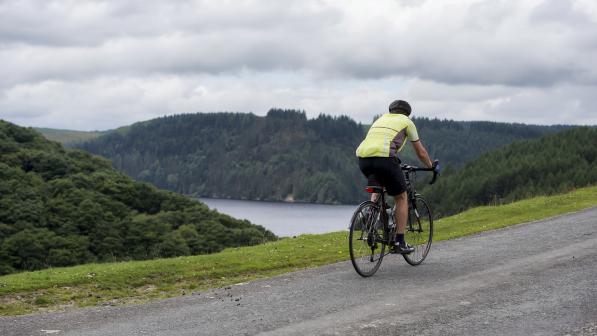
(281, 156)
(61, 207)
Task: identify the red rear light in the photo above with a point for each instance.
(369, 190)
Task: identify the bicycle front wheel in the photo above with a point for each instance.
(419, 231)
(366, 239)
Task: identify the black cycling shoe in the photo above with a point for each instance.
(402, 248)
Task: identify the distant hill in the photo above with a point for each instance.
(282, 156)
(61, 207)
(553, 164)
(68, 137)
(458, 142)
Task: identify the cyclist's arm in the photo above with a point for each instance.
(422, 153)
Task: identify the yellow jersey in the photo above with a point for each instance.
(387, 136)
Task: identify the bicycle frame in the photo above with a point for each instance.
(378, 231)
(383, 213)
(411, 196)
(412, 203)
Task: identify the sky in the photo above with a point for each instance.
(97, 65)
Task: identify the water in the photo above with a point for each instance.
(287, 219)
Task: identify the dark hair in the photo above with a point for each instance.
(400, 106)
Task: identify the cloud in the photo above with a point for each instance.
(119, 101)
(156, 58)
(92, 23)
(565, 104)
(484, 43)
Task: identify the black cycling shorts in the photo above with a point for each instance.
(384, 171)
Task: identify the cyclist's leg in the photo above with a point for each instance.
(401, 214)
(368, 168)
(397, 188)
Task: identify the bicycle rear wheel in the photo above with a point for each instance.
(419, 231)
(366, 241)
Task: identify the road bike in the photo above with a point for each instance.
(372, 226)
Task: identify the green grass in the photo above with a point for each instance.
(140, 281)
(68, 136)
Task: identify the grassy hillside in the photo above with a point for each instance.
(61, 207)
(283, 156)
(552, 164)
(139, 281)
(68, 137)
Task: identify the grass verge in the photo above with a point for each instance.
(140, 281)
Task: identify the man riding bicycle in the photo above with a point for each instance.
(379, 162)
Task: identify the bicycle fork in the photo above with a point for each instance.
(369, 233)
(413, 210)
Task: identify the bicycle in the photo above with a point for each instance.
(371, 231)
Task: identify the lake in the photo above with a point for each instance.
(287, 219)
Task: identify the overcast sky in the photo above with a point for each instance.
(103, 64)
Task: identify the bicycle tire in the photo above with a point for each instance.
(419, 231)
(367, 239)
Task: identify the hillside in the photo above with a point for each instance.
(458, 142)
(68, 137)
(552, 164)
(63, 207)
(283, 156)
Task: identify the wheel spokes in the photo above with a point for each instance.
(419, 232)
(366, 252)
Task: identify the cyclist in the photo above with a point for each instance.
(379, 162)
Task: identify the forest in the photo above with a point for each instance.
(283, 156)
(62, 207)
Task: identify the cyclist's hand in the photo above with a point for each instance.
(436, 167)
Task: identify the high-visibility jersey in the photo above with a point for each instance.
(387, 136)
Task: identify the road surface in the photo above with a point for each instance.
(538, 278)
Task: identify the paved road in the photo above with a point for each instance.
(531, 279)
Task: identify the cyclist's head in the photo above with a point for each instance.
(400, 106)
